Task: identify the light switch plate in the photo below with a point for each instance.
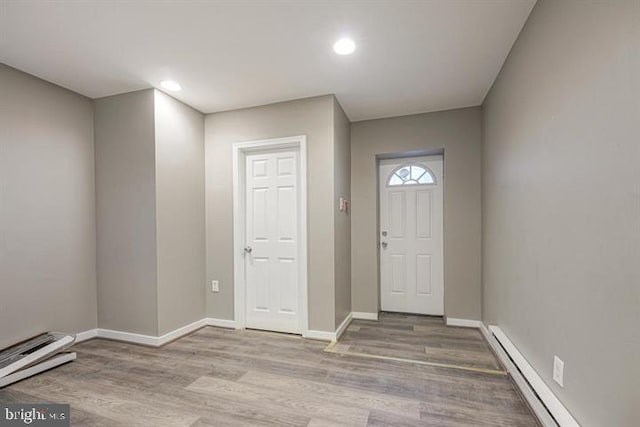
(558, 371)
(215, 286)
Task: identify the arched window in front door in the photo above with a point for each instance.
(411, 174)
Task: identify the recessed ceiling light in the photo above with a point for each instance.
(344, 46)
(171, 85)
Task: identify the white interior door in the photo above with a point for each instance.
(411, 235)
(271, 252)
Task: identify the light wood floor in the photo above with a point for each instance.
(420, 338)
(218, 377)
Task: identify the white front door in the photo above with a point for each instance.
(411, 235)
(271, 252)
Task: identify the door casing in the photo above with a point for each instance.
(240, 149)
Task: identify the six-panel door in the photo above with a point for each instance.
(271, 255)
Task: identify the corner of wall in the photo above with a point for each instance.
(342, 218)
(125, 179)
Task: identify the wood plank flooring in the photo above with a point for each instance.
(420, 338)
(218, 377)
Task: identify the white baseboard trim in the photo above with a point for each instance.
(364, 316)
(467, 323)
(319, 335)
(142, 339)
(86, 335)
(343, 327)
(131, 337)
(330, 336)
(221, 323)
(485, 331)
(182, 331)
(152, 341)
(547, 407)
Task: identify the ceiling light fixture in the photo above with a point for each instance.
(344, 46)
(170, 85)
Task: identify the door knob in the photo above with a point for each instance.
(248, 249)
(384, 245)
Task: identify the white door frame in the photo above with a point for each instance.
(240, 149)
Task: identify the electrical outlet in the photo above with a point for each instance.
(558, 371)
(215, 286)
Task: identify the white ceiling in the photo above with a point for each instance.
(412, 56)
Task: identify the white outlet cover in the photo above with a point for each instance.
(558, 371)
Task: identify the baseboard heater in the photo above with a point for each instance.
(550, 411)
(35, 355)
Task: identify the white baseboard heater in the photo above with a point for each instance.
(35, 355)
(549, 410)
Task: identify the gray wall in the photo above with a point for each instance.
(561, 203)
(126, 208)
(150, 199)
(312, 117)
(47, 209)
(459, 133)
(342, 221)
(179, 138)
